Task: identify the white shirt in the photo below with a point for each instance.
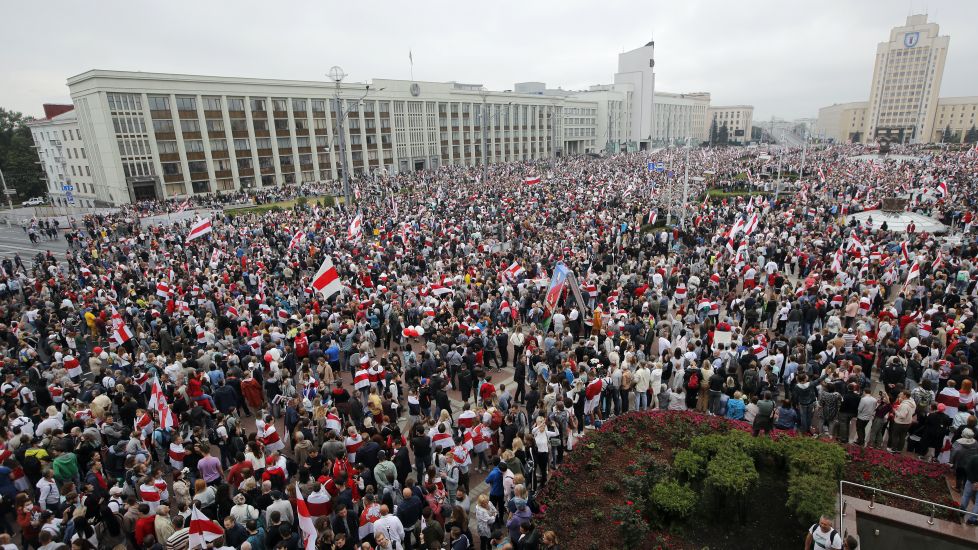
(391, 527)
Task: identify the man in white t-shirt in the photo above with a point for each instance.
(821, 536)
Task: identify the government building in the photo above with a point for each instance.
(904, 103)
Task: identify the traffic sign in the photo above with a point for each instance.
(10, 192)
(67, 187)
(70, 197)
(660, 167)
(651, 167)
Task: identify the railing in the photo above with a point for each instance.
(872, 504)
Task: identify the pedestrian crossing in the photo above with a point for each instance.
(13, 240)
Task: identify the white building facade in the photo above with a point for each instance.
(737, 118)
(842, 122)
(906, 82)
(678, 117)
(636, 71)
(166, 135)
(64, 160)
(613, 117)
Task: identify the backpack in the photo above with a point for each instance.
(694, 381)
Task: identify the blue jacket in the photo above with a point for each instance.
(735, 409)
(495, 482)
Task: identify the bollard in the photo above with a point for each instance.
(933, 512)
(844, 504)
(872, 503)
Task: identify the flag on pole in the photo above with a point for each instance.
(162, 289)
(308, 528)
(184, 205)
(356, 228)
(913, 273)
(942, 189)
(296, 239)
(821, 174)
(327, 280)
(199, 229)
(203, 530)
(531, 180)
(938, 260)
(653, 215)
(837, 260)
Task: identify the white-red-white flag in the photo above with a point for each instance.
(355, 230)
(837, 261)
(202, 530)
(199, 229)
(514, 271)
(531, 180)
(913, 273)
(306, 525)
(942, 189)
(296, 239)
(653, 215)
(327, 280)
(163, 289)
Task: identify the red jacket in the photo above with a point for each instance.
(145, 526)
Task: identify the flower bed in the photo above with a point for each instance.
(685, 480)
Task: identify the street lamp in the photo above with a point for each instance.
(337, 75)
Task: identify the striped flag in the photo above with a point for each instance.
(327, 280)
(199, 229)
(296, 239)
(653, 215)
(162, 289)
(184, 205)
(531, 180)
(942, 189)
(203, 530)
(821, 174)
(913, 273)
(355, 230)
(514, 271)
(938, 260)
(306, 525)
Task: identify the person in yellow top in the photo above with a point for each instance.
(90, 321)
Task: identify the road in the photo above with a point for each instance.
(13, 240)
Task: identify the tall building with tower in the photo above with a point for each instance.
(907, 82)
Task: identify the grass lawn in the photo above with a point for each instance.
(283, 205)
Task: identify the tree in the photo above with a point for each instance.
(18, 160)
(723, 135)
(972, 135)
(946, 137)
(713, 132)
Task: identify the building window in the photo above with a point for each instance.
(279, 105)
(186, 104)
(163, 125)
(239, 125)
(302, 142)
(197, 167)
(284, 143)
(167, 147)
(222, 165)
(282, 124)
(215, 125)
(299, 105)
(257, 104)
(201, 186)
(235, 104)
(242, 145)
(159, 103)
(285, 160)
(219, 145)
(263, 143)
(244, 163)
(171, 169)
(260, 124)
(212, 104)
(191, 125)
(319, 105)
(194, 145)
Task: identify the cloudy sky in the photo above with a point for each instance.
(786, 58)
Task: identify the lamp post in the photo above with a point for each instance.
(682, 221)
(337, 75)
(3, 181)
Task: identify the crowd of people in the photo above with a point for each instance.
(161, 377)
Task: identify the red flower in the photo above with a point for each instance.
(866, 476)
(628, 502)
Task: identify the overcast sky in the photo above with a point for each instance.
(786, 58)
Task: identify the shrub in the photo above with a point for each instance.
(688, 464)
(810, 456)
(610, 487)
(632, 526)
(810, 496)
(673, 499)
(301, 201)
(731, 472)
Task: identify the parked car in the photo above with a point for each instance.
(36, 201)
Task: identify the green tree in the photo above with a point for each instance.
(713, 132)
(972, 135)
(18, 159)
(723, 135)
(946, 137)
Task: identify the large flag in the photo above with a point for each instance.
(751, 224)
(162, 289)
(821, 174)
(199, 229)
(653, 215)
(514, 271)
(121, 334)
(913, 273)
(942, 189)
(203, 530)
(557, 284)
(184, 205)
(938, 260)
(530, 180)
(837, 260)
(356, 228)
(306, 525)
(327, 280)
